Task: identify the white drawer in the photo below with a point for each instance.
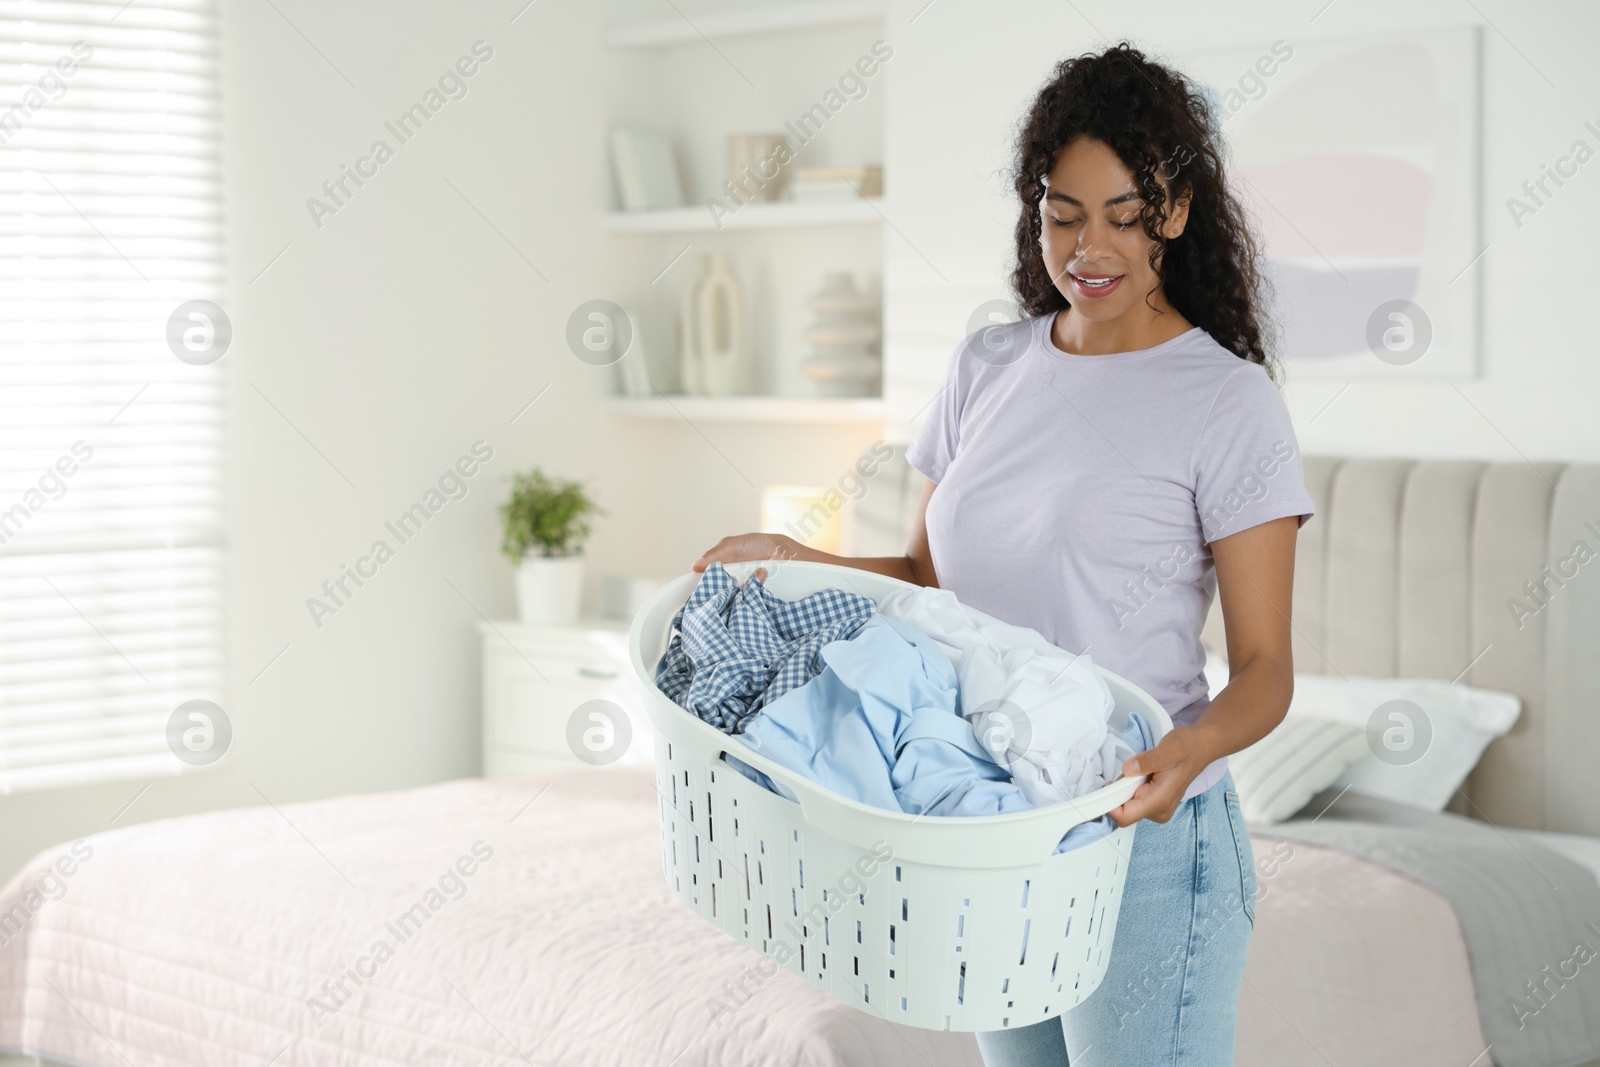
(568, 670)
(529, 701)
(541, 644)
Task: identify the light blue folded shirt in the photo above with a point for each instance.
(879, 725)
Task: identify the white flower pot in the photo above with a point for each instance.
(549, 589)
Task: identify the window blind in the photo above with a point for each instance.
(111, 446)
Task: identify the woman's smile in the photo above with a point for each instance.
(1094, 285)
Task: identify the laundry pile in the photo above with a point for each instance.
(735, 649)
(914, 703)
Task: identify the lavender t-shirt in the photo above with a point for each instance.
(1078, 495)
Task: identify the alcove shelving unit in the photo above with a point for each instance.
(795, 50)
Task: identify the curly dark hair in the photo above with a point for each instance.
(1158, 123)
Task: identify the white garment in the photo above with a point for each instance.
(1040, 711)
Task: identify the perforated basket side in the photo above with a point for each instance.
(928, 946)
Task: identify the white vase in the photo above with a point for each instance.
(691, 376)
(719, 327)
(549, 589)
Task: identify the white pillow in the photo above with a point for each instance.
(1296, 761)
(1423, 735)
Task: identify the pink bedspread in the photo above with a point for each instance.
(350, 931)
(527, 921)
(1354, 965)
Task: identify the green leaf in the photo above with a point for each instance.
(545, 517)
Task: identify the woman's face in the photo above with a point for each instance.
(1093, 242)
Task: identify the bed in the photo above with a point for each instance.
(526, 921)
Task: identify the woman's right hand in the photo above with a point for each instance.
(749, 546)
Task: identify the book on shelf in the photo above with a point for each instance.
(857, 172)
(831, 184)
(645, 169)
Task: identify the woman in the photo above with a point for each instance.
(1097, 471)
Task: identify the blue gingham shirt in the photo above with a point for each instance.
(734, 649)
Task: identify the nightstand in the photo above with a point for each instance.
(536, 677)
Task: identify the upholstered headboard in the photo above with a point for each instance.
(1486, 573)
(1483, 573)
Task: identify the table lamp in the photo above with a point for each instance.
(807, 513)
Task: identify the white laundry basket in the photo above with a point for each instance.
(944, 923)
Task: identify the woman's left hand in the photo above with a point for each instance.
(1177, 760)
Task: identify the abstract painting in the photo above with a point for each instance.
(1358, 161)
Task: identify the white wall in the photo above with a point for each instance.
(406, 328)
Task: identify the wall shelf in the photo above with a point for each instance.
(665, 77)
(739, 22)
(792, 409)
(756, 216)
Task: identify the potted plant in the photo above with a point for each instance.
(546, 524)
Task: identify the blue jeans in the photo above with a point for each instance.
(1177, 960)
